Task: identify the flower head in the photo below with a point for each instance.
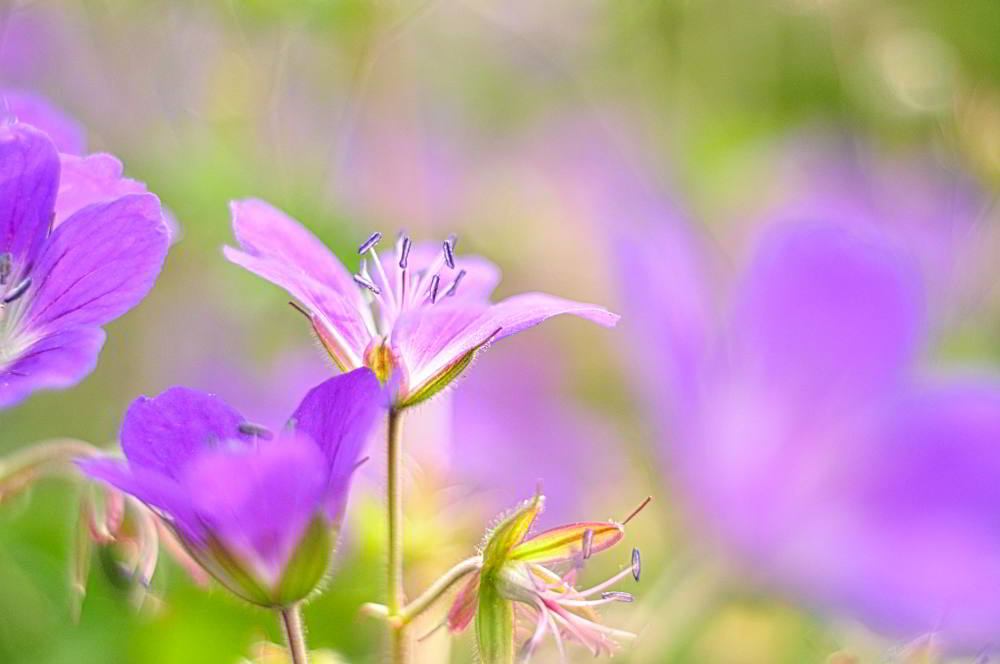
(79, 246)
(416, 315)
(258, 510)
(531, 581)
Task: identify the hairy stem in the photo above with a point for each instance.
(439, 588)
(394, 508)
(291, 621)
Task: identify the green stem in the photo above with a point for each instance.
(439, 588)
(291, 620)
(394, 507)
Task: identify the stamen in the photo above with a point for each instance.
(619, 596)
(453, 241)
(372, 240)
(435, 283)
(449, 253)
(454, 284)
(404, 252)
(255, 430)
(588, 542)
(18, 291)
(6, 261)
(638, 509)
(636, 564)
(361, 281)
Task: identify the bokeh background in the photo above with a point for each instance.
(540, 133)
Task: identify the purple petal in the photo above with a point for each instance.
(163, 434)
(152, 488)
(32, 109)
(338, 415)
(29, 176)
(55, 361)
(259, 499)
(928, 555)
(826, 310)
(264, 231)
(431, 341)
(96, 178)
(98, 264)
(336, 313)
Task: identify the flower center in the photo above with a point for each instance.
(404, 283)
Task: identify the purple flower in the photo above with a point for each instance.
(416, 316)
(809, 443)
(259, 511)
(69, 263)
(35, 110)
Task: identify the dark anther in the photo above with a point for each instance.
(370, 242)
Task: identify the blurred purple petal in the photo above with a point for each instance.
(338, 415)
(32, 109)
(258, 499)
(96, 178)
(166, 432)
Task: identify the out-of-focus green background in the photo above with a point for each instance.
(441, 116)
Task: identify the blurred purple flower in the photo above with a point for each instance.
(68, 264)
(804, 436)
(243, 500)
(416, 318)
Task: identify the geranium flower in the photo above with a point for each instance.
(259, 511)
(416, 316)
(69, 263)
(531, 581)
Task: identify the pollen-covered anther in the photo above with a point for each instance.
(372, 240)
(255, 430)
(404, 252)
(449, 253)
(18, 291)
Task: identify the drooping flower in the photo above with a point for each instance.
(811, 445)
(260, 511)
(530, 581)
(68, 263)
(416, 317)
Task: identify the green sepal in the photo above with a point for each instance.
(308, 564)
(215, 559)
(510, 532)
(494, 625)
(444, 378)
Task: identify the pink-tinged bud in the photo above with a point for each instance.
(518, 582)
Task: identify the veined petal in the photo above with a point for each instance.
(97, 265)
(494, 626)
(32, 109)
(510, 532)
(165, 433)
(568, 543)
(338, 415)
(57, 360)
(503, 319)
(29, 177)
(266, 232)
(96, 178)
(339, 317)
